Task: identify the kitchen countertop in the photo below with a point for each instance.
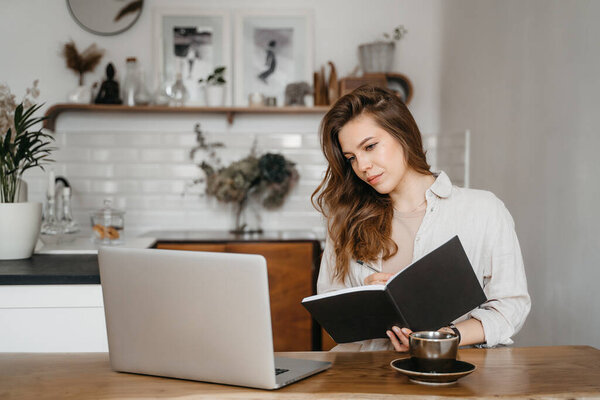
(76, 261)
(63, 263)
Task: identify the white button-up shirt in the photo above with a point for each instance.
(486, 231)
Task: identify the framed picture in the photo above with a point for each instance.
(272, 49)
(192, 43)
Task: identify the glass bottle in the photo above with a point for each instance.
(67, 222)
(50, 225)
(161, 94)
(130, 83)
(142, 95)
(178, 92)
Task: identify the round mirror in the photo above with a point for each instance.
(105, 17)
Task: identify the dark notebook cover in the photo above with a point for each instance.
(427, 295)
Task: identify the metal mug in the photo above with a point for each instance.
(433, 351)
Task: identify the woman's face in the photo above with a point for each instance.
(375, 156)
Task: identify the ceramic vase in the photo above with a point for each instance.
(19, 229)
(376, 57)
(215, 95)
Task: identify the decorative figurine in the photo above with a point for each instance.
(109, 90)
(295, 92)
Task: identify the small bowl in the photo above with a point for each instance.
(433, 351)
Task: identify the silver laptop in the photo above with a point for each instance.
(193, 315)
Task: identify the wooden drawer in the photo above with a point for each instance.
(216, 247)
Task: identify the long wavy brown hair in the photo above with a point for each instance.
(359, 219)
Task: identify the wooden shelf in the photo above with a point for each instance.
(54, 111)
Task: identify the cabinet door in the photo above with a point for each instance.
(290, 270)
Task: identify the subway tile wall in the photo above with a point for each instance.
(141, 162)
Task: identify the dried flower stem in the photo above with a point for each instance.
(84, 62)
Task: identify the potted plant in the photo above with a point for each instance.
(21, 147)
(214, 87)
(378, 56)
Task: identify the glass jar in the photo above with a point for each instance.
(108, 224)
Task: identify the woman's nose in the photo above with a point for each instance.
(363, 163)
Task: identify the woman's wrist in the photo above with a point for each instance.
(471, 332)
(451, 329)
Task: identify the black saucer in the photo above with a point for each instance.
(407, 367)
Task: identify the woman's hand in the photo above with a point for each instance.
(378, 278)
(399, 338)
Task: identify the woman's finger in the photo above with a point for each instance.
(403, 335)
(394, 340)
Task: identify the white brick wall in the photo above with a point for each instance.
(141, 162)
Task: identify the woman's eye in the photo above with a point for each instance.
(350, 159)
(370, 146)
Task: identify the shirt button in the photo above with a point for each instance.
(417, 238)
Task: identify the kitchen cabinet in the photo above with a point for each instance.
(292, 270)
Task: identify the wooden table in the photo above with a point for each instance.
(527, 372)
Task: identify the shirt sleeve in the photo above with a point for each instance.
(504, 282)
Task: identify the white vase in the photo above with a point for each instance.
(19, 229)
(215, 95)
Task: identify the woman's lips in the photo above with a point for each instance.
(371, 180)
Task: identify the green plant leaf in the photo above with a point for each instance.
(6, 145)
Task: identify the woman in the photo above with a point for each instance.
(385, 209)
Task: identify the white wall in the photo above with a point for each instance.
(140, 162)
(33, 32)
(523, 76)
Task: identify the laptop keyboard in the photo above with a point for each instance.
(280, 371)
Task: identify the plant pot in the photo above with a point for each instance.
(19, 229)
(376, 57)
(215, 95)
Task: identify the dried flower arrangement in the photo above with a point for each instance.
(267, 178)
(21, 147)
(84, 62)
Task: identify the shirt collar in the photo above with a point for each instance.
(442, 187)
